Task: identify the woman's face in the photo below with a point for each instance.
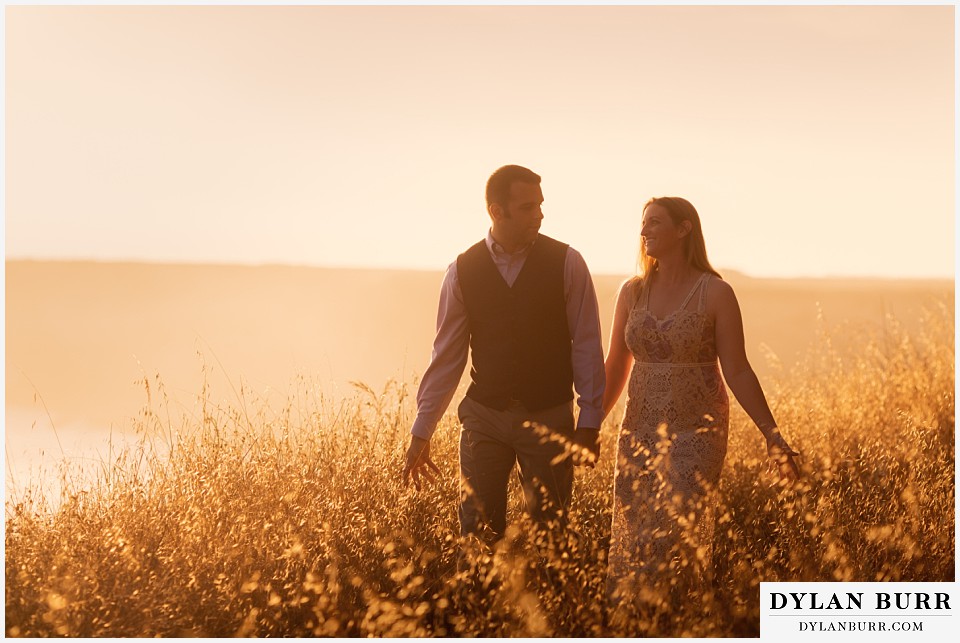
(659, 234)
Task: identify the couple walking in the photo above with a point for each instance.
(524, 306)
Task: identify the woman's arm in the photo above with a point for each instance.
(740, 377)
(619, 358)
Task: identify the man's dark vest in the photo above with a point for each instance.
(519, 340)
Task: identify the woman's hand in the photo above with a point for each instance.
(783, 455)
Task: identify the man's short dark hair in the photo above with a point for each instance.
(498, 185)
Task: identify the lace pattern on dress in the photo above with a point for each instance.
(670, 452)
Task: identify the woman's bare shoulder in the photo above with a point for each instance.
(629, 291)
(717, 283)
(719, 293)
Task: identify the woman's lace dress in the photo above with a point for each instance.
(669, 456)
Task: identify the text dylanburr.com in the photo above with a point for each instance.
(858, 611)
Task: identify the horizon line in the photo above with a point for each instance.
(395, 268)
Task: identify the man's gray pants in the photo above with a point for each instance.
(491, 443)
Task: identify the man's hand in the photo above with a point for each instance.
(588, 441)
(418, 463)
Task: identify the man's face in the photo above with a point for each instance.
(521, 215)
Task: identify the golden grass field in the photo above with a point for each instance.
(261, 517)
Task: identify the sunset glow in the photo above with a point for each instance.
(247, 394)
(814, 140)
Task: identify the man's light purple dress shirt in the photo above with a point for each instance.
(452, 344)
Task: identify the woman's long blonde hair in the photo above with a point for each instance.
(696, 249)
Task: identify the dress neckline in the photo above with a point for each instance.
(681, 308)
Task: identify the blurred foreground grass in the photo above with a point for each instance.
(260, 521)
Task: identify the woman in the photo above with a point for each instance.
(672, 324)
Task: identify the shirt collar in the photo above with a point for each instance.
(497, 250)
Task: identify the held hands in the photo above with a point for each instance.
(587, 447)
(418, 463)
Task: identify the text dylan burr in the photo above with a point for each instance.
(855, 600)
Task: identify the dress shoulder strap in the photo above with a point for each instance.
(639, 292)
(692, 290)
(645, 292)
(703, 292)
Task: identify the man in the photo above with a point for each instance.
(526, 307)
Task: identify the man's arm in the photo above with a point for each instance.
(583, 320)
(448, 359)
(441, 378)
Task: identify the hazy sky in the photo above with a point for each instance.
(814, 140)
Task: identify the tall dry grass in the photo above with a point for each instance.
(252, 519)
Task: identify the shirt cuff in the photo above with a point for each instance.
(423, 428)
(590, 418)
